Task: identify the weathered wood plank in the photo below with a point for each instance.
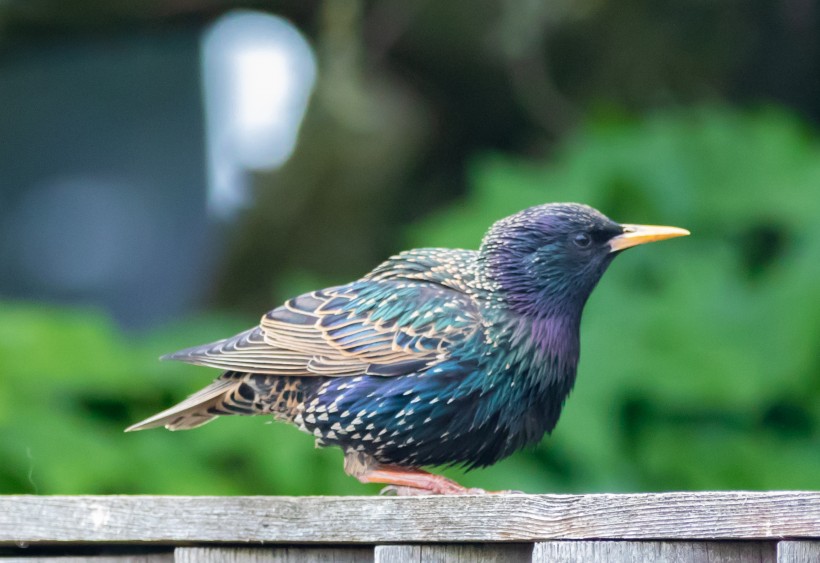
(798, 551)
(484, 518)
(454, 553)
(144, 558)
(272, 555)
(397, 554)
(656, 551)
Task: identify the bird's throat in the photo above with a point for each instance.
(539, 349)
(531, 372)
(557, 336)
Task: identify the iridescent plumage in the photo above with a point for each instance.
(436, 357)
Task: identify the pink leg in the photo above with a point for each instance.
(416, 479)
(404, 481)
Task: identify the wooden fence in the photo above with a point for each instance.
(681, 527)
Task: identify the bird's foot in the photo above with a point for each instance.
(400, 491)
(403, 491)
(402, 480)
(406, 481)
(415, 482)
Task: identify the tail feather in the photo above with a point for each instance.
(196, 410)
(233, 393)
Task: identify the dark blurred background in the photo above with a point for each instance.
(171, 169)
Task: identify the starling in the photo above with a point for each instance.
(436, 357)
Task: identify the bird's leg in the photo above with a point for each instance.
(401, 480)
(408, 482)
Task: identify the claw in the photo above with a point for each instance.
(405, 481)
(398, 491)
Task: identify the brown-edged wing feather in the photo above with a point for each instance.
(383, 327)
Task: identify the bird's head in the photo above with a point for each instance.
(547, 259)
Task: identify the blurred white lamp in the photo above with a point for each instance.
(258, 75)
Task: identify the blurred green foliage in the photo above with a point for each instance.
(699, 366)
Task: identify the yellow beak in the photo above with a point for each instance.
(634, 235)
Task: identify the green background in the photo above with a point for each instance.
(700, 365)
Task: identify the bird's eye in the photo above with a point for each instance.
(582, 240)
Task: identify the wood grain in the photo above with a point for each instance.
(272, 555)
(658, 552)
(454, 553)
(798, 552)
(485, 518)
(397, 554)
(152, 558)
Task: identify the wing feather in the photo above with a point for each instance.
(378, 325)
